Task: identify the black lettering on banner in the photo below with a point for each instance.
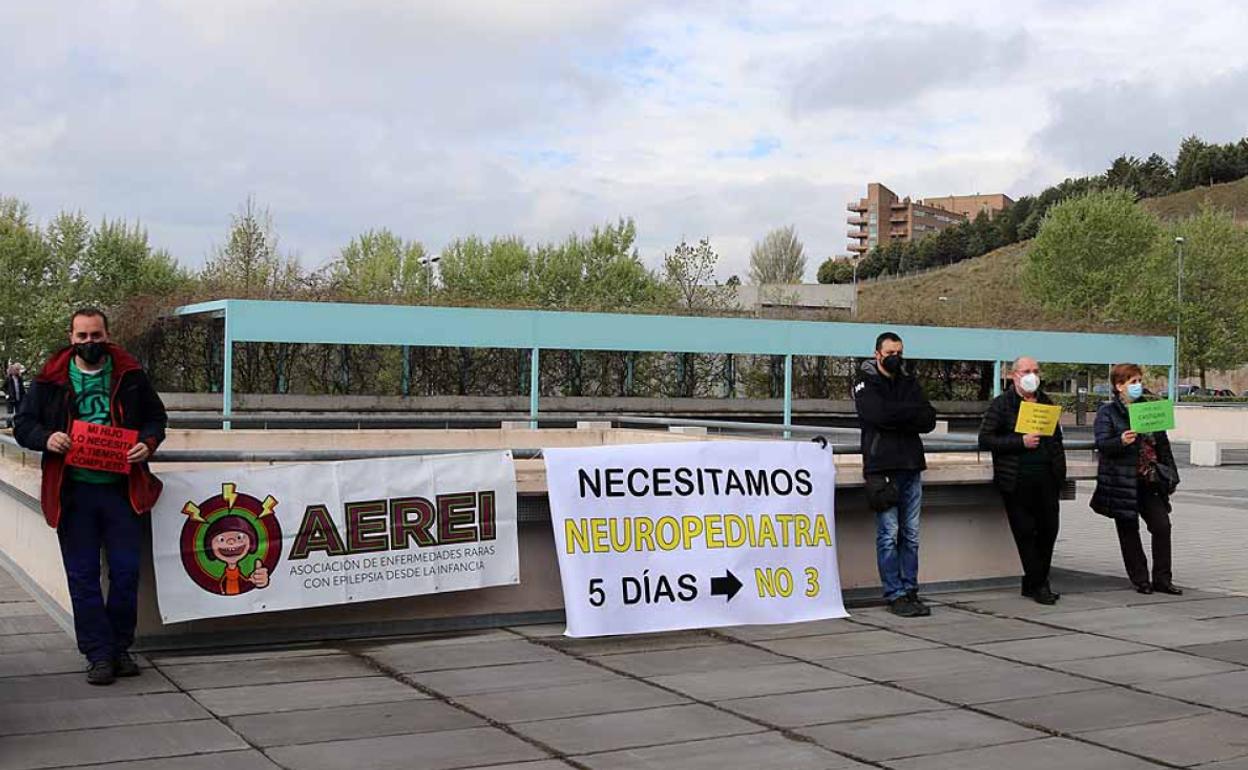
(804, 487)
(593, 484)
(615, 482)
(778, 475)
(733, 483)
(633, 490)
(661, 482)
(366, 526)
(597, 597)
(756, 483)
(403, 529)
(317, 533)
(455, 517)
(714, 474)
(684, 482)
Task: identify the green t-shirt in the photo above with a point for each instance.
(92, 404)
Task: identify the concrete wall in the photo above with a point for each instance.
(1212, 423)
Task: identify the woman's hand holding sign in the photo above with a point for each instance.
(59, 442)
(138, 453)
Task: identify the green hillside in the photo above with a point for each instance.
(1232, 197)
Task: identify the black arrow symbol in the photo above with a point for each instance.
(727, 585)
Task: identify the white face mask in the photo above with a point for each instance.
(1030, 383)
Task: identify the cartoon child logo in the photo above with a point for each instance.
(231, 542)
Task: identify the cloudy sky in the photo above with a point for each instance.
(540, 118)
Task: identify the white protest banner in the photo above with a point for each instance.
(233, 541)
(659, 537)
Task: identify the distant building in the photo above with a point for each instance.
(882, 216)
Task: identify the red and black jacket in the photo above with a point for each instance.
(49, 407)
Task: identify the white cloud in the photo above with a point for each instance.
(542, 118)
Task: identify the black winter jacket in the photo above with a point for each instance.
(892, 412)
(996, 434)
(1117, 481)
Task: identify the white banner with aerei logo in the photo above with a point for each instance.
(659, 537)
(233, 541)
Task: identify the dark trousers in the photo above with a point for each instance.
(1153, 510)
(96, 516)
(1033, 511)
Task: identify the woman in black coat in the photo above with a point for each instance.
(1136, 474)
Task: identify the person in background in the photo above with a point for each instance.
(14, 389)
(1136, 475)
(892, 412)
(1029, 471)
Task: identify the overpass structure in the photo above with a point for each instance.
(537, 330)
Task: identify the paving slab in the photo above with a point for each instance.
(690, 660)
(612, 645)
(28, 624)
(521, 676)
(348, 722)
(570, 700)
(202, 676)
(1045, 754)
(542, 764)
(941, 616)
(35, 662)
(916, 664)
(842, 645)
(116, 744)
(1104, 620)
(1231, 652)
(14, 609)
(27, 642)
(756, 680)
(1226, 691)
(539, 630)
(1183, 632)
(631, 729)
(826, 706)
(983, 629)
(790, 630)
(79, 714)
(1078, 712)
(1008, 684)
(1152, 666)
(294, 696)
(55, 687)
(1052, 649)
(908, 736)
(1016, 606)
(1191, 741)
(186, 659)
(761, 750)
(1205, 609)
(409, 657)
(423, 751)
(226, 760)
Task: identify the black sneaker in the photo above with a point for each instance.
(124, 665)
(924, 610)
(1043, 595)
(903, 607)
(101, 672)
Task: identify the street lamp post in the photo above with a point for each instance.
(428, 262)
(854, 307)
(1178, 319)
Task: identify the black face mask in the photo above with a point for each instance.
(91, 352)
(892, 364)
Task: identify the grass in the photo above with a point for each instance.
(1232, 197)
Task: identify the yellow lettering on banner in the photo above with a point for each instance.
(737, 539)
(599, 528)
(621, 535)
(693, 528)
(645, 535)
(576, 533)
(671, 528)
(714, 530)
(801, 525)
(784, 519)
(822, 535)
(766, 532)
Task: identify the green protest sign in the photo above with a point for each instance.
(1152, 416)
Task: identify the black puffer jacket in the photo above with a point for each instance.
(996, 434)
(1117, 482)
(892, 412)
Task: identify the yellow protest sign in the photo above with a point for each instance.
(1040, 419)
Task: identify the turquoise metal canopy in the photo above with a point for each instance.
(360, 324)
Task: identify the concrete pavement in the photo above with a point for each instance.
(1106, 679)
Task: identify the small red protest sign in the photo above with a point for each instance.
(100, 447)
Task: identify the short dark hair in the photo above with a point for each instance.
(88, 312)
(885, 337)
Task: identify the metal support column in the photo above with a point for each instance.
(788, 394)
(534, 385)
(227, 373)
(406, 383)
(1174, 383)
(996, 378)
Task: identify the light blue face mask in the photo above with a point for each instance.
(1135, 390)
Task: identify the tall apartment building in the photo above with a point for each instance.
(882, 216)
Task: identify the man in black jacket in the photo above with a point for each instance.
(1029, 470)
(93, 380)
(892, 412)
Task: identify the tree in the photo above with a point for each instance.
(778, 258)
(1215, 290)
(379, 266)
(836, 270)
(249, 265)
(1088, 250)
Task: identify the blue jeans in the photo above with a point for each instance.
(897, 537)
(96, 516)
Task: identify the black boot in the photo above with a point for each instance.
(101, 672)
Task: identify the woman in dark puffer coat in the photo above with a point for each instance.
(1135, 477)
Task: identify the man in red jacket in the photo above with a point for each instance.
(93, 380)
